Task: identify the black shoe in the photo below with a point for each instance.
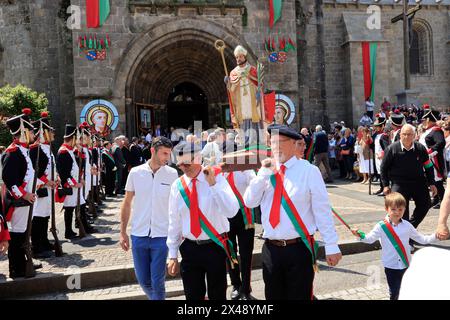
(438, 206)
(247, 297)
(37, 266)
(381, 194)
(378, 192)
(235, 294)
(435, 202)
(71, 235)
(14, 275)
(49, 246)
(91, 230)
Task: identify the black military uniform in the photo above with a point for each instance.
(380, 143)
(96, 160)
(110, 172)
(42, 206)
(69, 172)
(17, 174)
(433, 139)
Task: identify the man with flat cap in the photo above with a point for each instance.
(200, 204)
(42, 207)
(380, 143)
(294, 204)
(433, 139)
(397, 120)
(18, 174)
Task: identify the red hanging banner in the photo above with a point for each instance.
(92, 13)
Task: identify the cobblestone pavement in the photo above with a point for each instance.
(102, 249)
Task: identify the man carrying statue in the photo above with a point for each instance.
(246, 98)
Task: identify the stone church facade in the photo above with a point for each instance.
(158, 45)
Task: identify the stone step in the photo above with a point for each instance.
(120, 275)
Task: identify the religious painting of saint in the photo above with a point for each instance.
(101, 115)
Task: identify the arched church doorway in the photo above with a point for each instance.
(176, 57)
(187, 103)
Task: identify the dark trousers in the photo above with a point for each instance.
(342, 168)
(119, 178)
(69, 213)
(287, 272)
(39, 234)
(245, 239)
(109, 180)
(394, 279)
(97, 199)
(370, 114)
(16, 254)
(124, 178)
(349, 160)
(198, 261)
(419, 193)
(440, 188)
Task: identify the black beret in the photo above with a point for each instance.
(284, 130)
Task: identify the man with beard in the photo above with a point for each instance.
(149, 185)
(294, 204)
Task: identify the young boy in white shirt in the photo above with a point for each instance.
(394, 234)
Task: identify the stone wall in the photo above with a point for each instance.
(434, 88)
(131, 32)
(34, 43)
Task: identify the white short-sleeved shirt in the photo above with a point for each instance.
(150, 209)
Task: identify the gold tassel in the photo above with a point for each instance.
(23, 134)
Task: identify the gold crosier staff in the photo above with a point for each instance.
(220, 46)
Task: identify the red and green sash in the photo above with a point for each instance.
(207, 227)
(109, 155)
(395, 240)
(297, 221)
(310, 151)
(247, 213)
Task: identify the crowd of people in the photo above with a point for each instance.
(180, 202)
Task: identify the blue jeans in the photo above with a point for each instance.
(149, 256)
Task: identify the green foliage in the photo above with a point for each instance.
(13, 100)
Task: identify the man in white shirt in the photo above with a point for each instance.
(148, 137)
(149, 185)
(369, 107)
(199, 207)
(292, 211)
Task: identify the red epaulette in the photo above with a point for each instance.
(436, 128)
(34, 145)
(11, 148)
(63, 149)
(385, 134)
